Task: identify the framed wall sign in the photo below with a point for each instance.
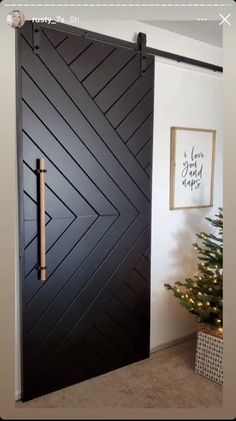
(192, 167)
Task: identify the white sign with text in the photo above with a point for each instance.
(192, 167)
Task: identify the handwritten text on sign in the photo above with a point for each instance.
(192, 169)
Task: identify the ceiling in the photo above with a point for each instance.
(205, 31)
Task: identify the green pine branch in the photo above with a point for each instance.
(202, 295)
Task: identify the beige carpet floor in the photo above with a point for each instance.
(165, 380)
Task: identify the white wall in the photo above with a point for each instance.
(189, 98)
(183, 96)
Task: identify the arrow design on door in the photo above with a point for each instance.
(89, 114)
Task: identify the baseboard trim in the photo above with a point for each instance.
(172, 343)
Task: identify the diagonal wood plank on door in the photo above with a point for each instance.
(87, 111)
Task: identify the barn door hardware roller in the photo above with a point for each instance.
(36, 37)
(142, 41)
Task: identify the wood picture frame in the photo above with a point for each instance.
(192, 167)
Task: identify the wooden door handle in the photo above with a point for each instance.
(42, 236)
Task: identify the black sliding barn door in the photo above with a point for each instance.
(88, 112)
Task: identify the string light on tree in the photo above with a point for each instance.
(203, 295)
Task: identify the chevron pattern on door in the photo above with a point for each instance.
(87, 111)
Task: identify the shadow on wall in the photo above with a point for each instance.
(170, 320)
(184, 257)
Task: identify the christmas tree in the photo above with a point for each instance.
(202, 295)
